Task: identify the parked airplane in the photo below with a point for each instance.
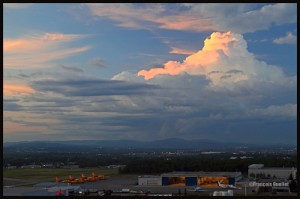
(82, 179)
(222, 185)
(227, 186)
(77, 180)
(101, 177)
(64, 181)
(70, 180)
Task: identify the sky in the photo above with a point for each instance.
(224, 72)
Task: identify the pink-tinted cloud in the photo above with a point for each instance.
(197, 17)
(197, 62)
(38, 51)
(150, 16)
(185, 22)
(16, 90)
(13, 127)
(181, 51)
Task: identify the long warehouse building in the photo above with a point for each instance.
(273, 172)
(190, 179)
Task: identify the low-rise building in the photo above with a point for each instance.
(71, 166)
(149, 180)
(11, 167)
(32, 166)
(49, 165)
(258, 170)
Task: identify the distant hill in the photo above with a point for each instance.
(172, 143)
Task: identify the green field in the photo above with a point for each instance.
(50, 174)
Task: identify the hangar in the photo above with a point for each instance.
(191, 179)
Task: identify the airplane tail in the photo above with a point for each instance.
(219, 183)
(222, 185)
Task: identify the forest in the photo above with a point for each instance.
(211, 163)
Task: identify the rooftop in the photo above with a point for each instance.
(280, 168)
(201, 173)
(256, 166)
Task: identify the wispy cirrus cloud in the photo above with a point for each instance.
(149, 16)
(39, 51)
(71, 68)
(239, 18)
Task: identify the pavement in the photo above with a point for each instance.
(119, 182)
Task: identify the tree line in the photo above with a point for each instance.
(211, 163)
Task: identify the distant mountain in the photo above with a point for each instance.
(172, 143)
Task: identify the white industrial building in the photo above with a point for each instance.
(149, 180)
(278, 172)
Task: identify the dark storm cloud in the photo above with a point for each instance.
(11, 105)
(214, 72)
(71, 68)
(225, 76)
(97, 62)
(235, 71)
(94, 87)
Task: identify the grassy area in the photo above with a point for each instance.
(50, 174)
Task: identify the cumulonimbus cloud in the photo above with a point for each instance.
(219, 60)
(38, 51)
